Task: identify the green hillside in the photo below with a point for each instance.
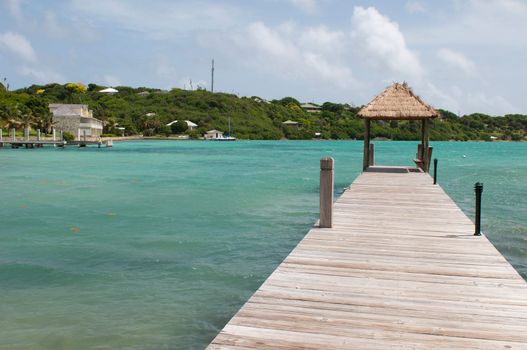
(147, 111)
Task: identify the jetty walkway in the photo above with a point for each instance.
(400, 269)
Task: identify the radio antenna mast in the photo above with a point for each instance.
(212, 77)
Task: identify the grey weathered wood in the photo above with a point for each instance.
(326, 192)
(425, 137)
(14, 134)
(38, 135)
(366, 158)
(371, 153)
(400, 269)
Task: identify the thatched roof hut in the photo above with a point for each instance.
(397, 102)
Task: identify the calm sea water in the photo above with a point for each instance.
(155, 245)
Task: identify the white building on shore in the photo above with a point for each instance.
(190, 125)
(76, 119)
(213, 135)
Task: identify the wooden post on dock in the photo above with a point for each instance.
(79, 134)
(26, 134)
(1, 135)
(54, 138)
(371, 155)
(326, 192)
(84, 135)
(366, 157)
(38, 135)
(61, 136)
(14, 134)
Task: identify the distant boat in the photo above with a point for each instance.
(227, 137)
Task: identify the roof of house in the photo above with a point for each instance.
(290, 122)
(109, 90)
(310, 105)
(62, 109)
(189, 123)
(67, 104)
(397, 102)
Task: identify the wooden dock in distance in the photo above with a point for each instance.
(399, 269)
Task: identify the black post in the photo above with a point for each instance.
(435, 171)
(478, 188)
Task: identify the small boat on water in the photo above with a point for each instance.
(226, 137)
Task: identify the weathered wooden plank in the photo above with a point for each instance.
(399, 269)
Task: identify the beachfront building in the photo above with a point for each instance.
(109, 91)
(76, 119)
(190, 125)
(311, 108)
(213, 135)
(291, 124)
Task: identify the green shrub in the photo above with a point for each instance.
(68, 136)
(179, 127)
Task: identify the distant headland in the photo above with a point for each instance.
(150, 112)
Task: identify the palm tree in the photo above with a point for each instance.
(26, 117)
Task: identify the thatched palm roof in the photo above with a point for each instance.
(397, 102)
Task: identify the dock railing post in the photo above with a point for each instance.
(326, 192)
(26, 134)
(435, 171)
(14, 134)
(1, 135)
(38, 135)
(478, 188)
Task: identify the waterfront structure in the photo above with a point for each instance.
(109, 91)
(213, 135)
(398, 102)
(190, 125)
(76, 119)
(311, 108)
(291, 124)
(398, 268)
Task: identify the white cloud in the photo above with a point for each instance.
(322, 39)
(112, 80)
(51, 25)
(414, 7)
(15, 8)
(380, 39)
(167, 73)
(157, 20)
(310, 54)
(308, 6)
(18, 45)
(40, 76)
(457, 60)
(487, 24)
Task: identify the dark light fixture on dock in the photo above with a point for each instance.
(478, 188)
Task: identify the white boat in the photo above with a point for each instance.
(227, 137)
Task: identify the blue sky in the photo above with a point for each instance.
(465, 56)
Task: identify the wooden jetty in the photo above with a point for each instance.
(400, 269)
(39, 142)
(393, 264)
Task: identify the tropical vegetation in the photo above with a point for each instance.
(147, 111)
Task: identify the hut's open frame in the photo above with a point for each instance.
(398, 102)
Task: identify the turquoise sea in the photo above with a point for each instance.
(155, 245)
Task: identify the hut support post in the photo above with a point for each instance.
(371, 155)
(424, 142)
(366, 159)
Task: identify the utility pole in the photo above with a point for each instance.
(212, 77)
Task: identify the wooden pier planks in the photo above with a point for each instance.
(400, 269)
